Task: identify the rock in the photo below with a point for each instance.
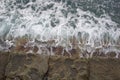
(111, 54)
(102, 54)
(26, 67)
(104, 69)
(57, 50)
(42, 67)
(96, 53)
(75, 53)
(3, 62)
(66, 68)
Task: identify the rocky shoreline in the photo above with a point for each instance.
(20, 66)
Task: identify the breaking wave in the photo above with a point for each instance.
(48, 26)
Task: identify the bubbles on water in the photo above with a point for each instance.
(67, 24)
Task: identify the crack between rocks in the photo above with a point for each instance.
(45, 76)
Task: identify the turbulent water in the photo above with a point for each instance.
(86, 25)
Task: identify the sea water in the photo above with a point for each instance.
(72, 24)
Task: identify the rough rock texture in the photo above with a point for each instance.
(104, 69)
(65, 68)
(26, 67)
(42, 67)
(23, 66)
(3, 62)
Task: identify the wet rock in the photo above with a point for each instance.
(75, 53)
(26, 67)
(111, 54)
(102, 54)
(104, 69)
(57, 50)
(64, 68)
(95, 54)
(3, 62)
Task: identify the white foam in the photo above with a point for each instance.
(95, 31)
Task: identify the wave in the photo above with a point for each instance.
(57, 23)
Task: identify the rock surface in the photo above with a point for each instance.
(25, 67)
(104, 69)
(41, 67)
(65, 68)
(4, 57)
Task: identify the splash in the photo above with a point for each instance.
(50, 25)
